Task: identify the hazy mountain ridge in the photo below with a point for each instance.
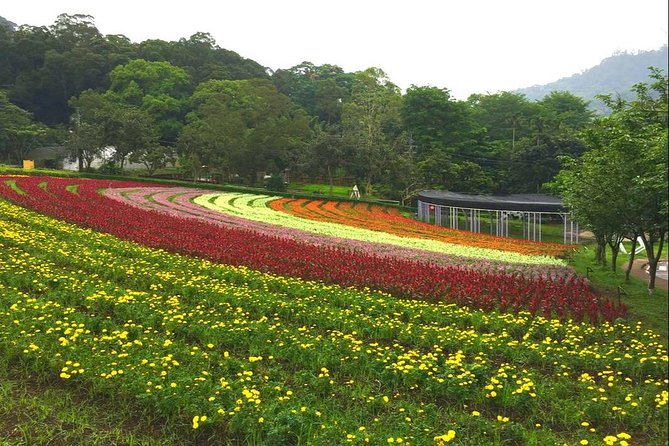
(7, 24)
(613, 75)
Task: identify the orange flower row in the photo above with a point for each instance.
(390, 220)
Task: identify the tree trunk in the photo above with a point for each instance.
(614, 241)
(600, 252)
(631, 262)
(368, 187)
(653, 258)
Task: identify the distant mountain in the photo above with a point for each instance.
(614, 75)
(7, 24)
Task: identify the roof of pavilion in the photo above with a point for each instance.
(511, 202)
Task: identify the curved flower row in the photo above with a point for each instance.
(180, 202)
(560, 297)
(244, 354)
(255, 207)
(390, 220)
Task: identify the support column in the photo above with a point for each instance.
(539, 226)
(564, 230)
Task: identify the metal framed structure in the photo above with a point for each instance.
(464, 211)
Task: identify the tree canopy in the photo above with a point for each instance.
(214, 113)
(618, 188)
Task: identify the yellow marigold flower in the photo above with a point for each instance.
(476, 413)
(583, 442)
(442, 439)
(261, 420)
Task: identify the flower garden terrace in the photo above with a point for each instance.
(504, 285)
(233, 353)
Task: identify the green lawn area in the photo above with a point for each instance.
(324, 189)
(35, 412)
(650, 309)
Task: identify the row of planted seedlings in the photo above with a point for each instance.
(279, 357)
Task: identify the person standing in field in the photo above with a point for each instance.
(355, 193)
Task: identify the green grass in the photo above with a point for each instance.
(323, 189)
(650, 309)
(12, 184)
(38, 411)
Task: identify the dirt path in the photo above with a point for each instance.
(639, 271)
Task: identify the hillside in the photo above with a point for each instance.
(7, 24)
(614, 75)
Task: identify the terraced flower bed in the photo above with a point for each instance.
(391, 221)
(559, 297)
(249, 357)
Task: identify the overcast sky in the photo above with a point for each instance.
(467, 46)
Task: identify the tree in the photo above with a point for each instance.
(371, 126)
(320, 90)
(505, 116)
(85, 144)
(619, 187)
(158, 88)
(153, 157)
(18, 132)
(243, 127)
(326, 152)
(107, 123)
(437, 122)
(565, 111)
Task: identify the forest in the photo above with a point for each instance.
(206, 112)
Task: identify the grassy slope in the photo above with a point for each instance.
(46, 413)
(652, 309)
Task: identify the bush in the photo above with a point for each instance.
(109, 168)
(276, 183)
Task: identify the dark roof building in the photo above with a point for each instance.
(492, 213)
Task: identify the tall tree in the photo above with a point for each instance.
(620, 185)
(18, 132)
(371, 127)
(158, 88)
(243, 127)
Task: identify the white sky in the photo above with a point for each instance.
(467, 46)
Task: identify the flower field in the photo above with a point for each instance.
(257, 337)
(239, 214)
(390, 220)
(255, 207)
(560, 296)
